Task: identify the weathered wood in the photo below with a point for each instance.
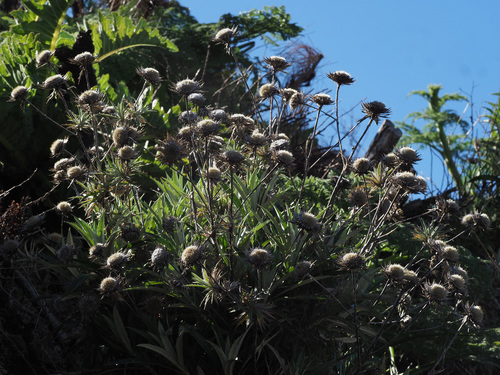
(384, 142)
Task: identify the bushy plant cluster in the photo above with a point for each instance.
(200, 252)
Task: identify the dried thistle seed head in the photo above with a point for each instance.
(359, 197)
(196, 98)
(476, 314)
(215, 144)
(225, 35)
(276, 63)
(307, 221)
(75, 173)
(436, 292)
(391, 160)
(283, 157)
(169, 224)
(59, 176)
(410, 276)
(55, 82)
(188, 117)
(18, 94)
(302, 268)
(169, 151)
(287, 93)
(120, 136)
(279, 145)
(322, 99)
(341, 78)
(90, 98)
(159, 257)
(241, 120)
(259, 258)
(450, 253)
(207, 127)
(351, 261)
(58, 146)
(191, 255)
(96, 249)
(395, 272)
(130, 233)
(361, 166)
(43, 57)
(214, 174)
(296, 100)
(187, 87)
(457, 270)
(457, 282)
(127, 153)
(375, 110)
(233, 157)
(66, 253)
(409, 182)
(257, 139)
(407, 155)
(218, 115)
(477, 220)
(150, 75)
(267, 90)
(64, 207)
(108, 285)
(447, 207)
(83, 59)
(116, 260)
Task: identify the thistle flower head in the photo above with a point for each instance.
(436, 292)
(307, 221)
(83, 59)
(127, 153)
(240, 120)
(390, 160)
(322, 99)
(150, 75)
(283, 157)
(375, 110)
(188, 117)
(409, 182)
(233, 157)
(296, 100)
(169, 224)
(116, 260)
(351, 261)
(96, 249)
(90, 98)
(477, 220)
(61, 164)
(214, 174)
(43, 57)
(18, 94)
(169, 151)
(394, 272)
(341, 78)
(407, 155)
(259, 258)
(207, 127)
(225, 35)
(196, 98)
(55, 82)
(276, 63)
(457, 282)
(361, 166)
(159, 257)
(108, 285)
(302, 268)
(66, 253)
(64, 207)
(475, 314)
(410, 277)
(58, 146)
(257, 139)
(187, 87)
(287, 93)
(130, 233)
(218, 115)
(457, 270)
(191, 255)
(267, 90)
(76, 172)
(450, 253)
(359, 197)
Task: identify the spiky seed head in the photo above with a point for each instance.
(375, 110)
(58, 146)
(302, 268)
(390, 160)
(90, 98)
(284, 157)
(116, 260)
(341, 78)
(43, 57)
(191, 255)
(259, 258)
(169, 151)
(257, 139)
(66, 253)
(460, 271)
(159, 257)
(169, 224)
(120, 136)
(322, 99)
(279, 144)
(361, 166)
(296, 100)
(218, 115)
(18, 94)
(447, 207)
(436, 292)
(352, 261)
(96, 249)
(130, 233)
(188, 117)
(225, 35)
(59, 176)
(84, 59)
(150, 75)
(410, 276)
(407, 155)
(267, 90)
(358, 197)
(242, 120)
(214, 173)
(477, 220)
(233, 157)
(395, 272)
(409, 182)
(187, 87)
(307, 221)
(215, 144)
(127, 153)
(476, 314)
(276, 63)
(76, 172)
(64, 207)
(450, 253)
(57, 81)
(196, 98)
(108, 284)
(457, 282)
(207, 127)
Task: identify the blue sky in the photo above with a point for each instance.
(393, 47)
